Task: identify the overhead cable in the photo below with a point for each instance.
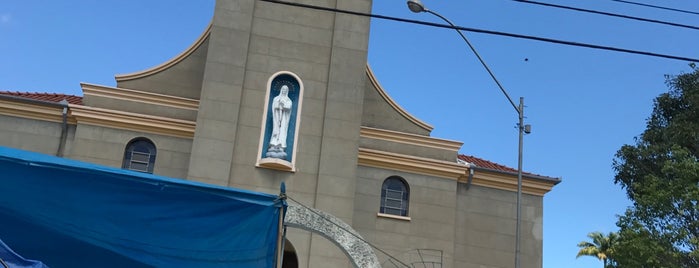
(521, 36)
(658, 7)
(609, 14)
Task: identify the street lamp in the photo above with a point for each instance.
(417, 7)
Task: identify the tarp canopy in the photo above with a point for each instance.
(9, 258)
(67, 213)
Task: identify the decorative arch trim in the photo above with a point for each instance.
(166, 65)
(337, 231)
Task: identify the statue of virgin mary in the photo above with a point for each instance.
(281, 113)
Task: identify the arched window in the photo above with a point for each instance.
(139, 155)
(395, 195)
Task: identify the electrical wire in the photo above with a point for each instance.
(609, 14)
(658, 7)
(520, 36)
(480, 59)
(348, 231)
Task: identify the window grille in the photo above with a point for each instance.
(139, 155)
(395, 196)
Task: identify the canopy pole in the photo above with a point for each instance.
(280, 239)
(281, 230)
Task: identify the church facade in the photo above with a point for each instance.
(271, 93)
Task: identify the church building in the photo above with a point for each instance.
(271, 93)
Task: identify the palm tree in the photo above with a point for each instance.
(601, 247)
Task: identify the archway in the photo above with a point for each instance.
(332, 228)
(290, 260)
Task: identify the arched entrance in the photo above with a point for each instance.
(290, 260)
(340, 233)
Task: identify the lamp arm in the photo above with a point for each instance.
(479, 58)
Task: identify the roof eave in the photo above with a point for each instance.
(524, 175)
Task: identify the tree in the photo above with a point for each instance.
(660, 174)
(639, 247)
(601, 247)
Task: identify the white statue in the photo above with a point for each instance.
(281, 113)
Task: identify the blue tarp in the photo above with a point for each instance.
(67, 213)
(13, 260)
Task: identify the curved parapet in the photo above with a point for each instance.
(397, 108)
(169, 63)
(335, 230)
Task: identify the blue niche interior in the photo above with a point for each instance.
(294, 91)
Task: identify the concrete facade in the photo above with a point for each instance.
(203, 111)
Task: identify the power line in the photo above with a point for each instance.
(609, 14)
(521, 36)
(658, 7)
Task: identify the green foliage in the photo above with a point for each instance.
(639, 247)
(660, 174)
(600, 247)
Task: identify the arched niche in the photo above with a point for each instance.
(281, 121)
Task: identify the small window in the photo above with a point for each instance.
(395, 196)
(139, 155)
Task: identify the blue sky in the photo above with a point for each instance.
(583, 104)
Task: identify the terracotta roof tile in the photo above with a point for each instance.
(485, 163)
(482, 163)
(47, 97)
